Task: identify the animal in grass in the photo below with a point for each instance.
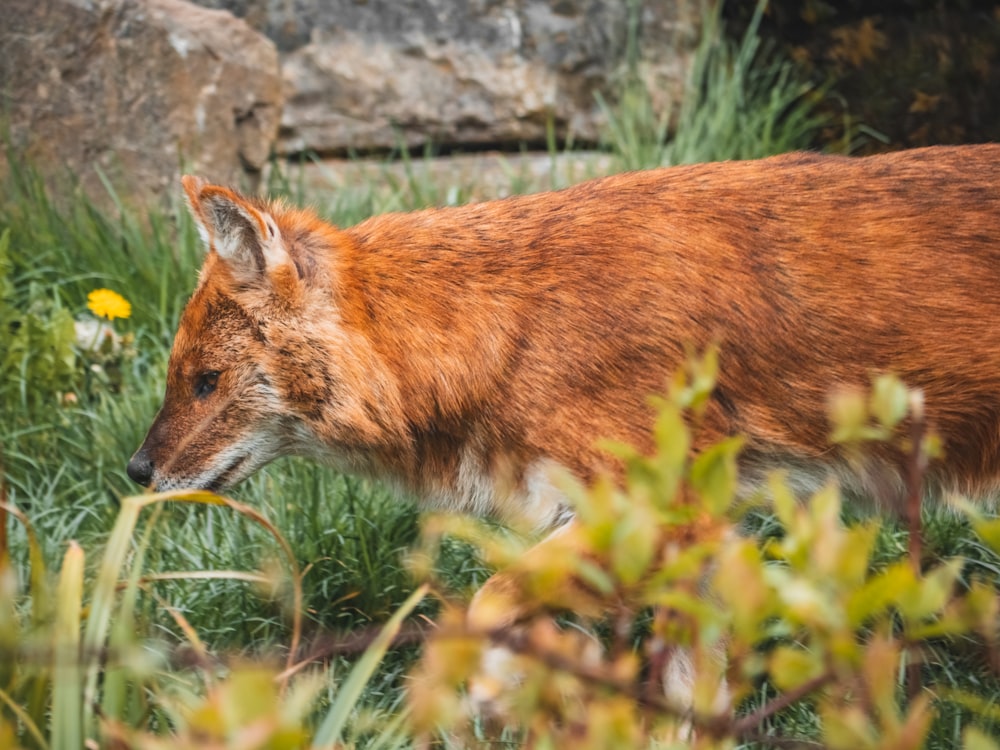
(460, 353)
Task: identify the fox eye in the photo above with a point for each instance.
(205, 383)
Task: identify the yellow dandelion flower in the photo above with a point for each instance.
(108, 304)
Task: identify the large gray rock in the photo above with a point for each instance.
(137, 88)
(363, 74)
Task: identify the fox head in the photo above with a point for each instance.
(261, 366)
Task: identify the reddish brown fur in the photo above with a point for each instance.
(513, 332)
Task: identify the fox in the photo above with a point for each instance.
(462, 354)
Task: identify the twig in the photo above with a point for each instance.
(334, 644)
(916, 469)
(4, 542)
(742, 727)
(714, 725)
(784, 742)
(658, 653)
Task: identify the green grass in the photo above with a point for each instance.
(64, 463)
(741, 101)
(63, 460)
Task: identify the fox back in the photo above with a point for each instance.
(463, 352)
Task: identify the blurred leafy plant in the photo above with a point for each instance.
(37, 341)
(698, 617)
(74, 676)
(48, 357)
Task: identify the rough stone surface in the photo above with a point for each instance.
(365, 74)
(137, 88)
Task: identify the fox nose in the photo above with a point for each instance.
(140, 468)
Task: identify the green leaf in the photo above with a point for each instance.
(890, 400)
(803, 601)
(974, 738)
(932, 592)
(792, 666)
(634, 545)
(988, 530)
(597, 511)
(917, 723)
(854, 560)
(824, 534)
(883, 590)
(672, 440)
(739, 582)
(783, 500)
(714, 474)
(880, 665)
(67, 691)
(704, 373)
(847, 727)
(595, 576)
(849, 416)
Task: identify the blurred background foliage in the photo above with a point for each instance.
(913, 72)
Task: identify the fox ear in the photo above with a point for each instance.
(246, 237)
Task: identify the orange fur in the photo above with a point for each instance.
(460, 351)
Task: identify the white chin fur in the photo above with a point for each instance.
(227, 469)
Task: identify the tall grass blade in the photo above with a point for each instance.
(103, 600)
(115, 561)
(208, 498)
(24, 717)
(115, 690)
(37, 587)
(67, 693)
(393, 734)
(329, 734)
